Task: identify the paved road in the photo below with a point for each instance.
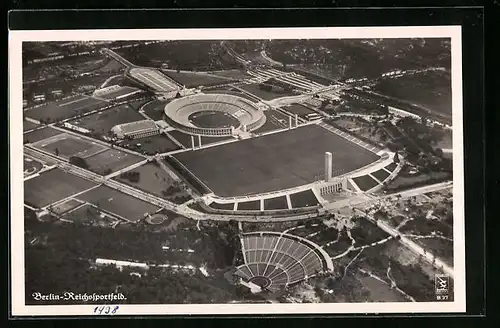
(428, 256)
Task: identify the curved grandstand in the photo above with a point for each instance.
(274, 260)
(246, 115)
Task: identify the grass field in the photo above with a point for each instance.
(194, 79)
(365, 182)
(233, 73)
(66, 206)
(276, 203)
(263, 94)
(155, 109)
(253, 205)
(52, 186)
(111, 159)
(231, 92)
(274, 121)
(442, 248)
(27, 125)
(65, 108)
(299, 109)
(102, 122)
(391, 167)
(83, 214)
(183, 138)
(303, 199)
(153, 179)
(66, 145)
(40, 134)
(381, 174)
(219, 206)
(113, 201)
(159, 143)
(272, 162)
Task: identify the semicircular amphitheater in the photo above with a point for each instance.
(276, 260)
(244, 115)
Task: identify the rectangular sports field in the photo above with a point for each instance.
(102, 122)
(52, 186)
(111, 159)
(65, 108)
(264, 94)
(114, 201)
(159, 143)
(67, 145)
(153, 179)
(40, 134)
(273, 162)
(27, 125)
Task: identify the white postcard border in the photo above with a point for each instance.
(16, 38)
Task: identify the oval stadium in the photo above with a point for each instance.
(277, 260)
(214, 115)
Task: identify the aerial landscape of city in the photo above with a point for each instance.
(238, 171)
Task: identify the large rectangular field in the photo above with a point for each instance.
(40, 134)
(273, 162)
(114, 201)
(110, 161)
(52, 186)
(65, 108)
(264, 94)
(102, 122)
(159, 143)
(66, 145)
(152, 179)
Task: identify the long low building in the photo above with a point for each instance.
(134, 130)
(154, 79)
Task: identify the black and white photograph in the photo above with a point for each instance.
(237, 171)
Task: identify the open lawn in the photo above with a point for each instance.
(159, 143)
(52, 186)
(405, 182)
(365, 182)
(102, 122)
(272, 162)
(194, 79)
(276, 203)
(66, 145)
(253, 205)
(31, 166)
(231, 92)
(219, 206)
(84, 214)
(153, 179)
(232, 73)
(65, 108)
(263, 94)
(274, 121)
(110, 161)
(183, 138)
(40, 134)
(381, 174)
(303, 199)
(128, 207)
(66, 206)
(27, 125)
(391, 167)
(155, 109)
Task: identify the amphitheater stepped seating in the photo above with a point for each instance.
(281, 259)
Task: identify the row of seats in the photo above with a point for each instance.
(282, 251)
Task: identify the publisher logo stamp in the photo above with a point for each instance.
(441, 285)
